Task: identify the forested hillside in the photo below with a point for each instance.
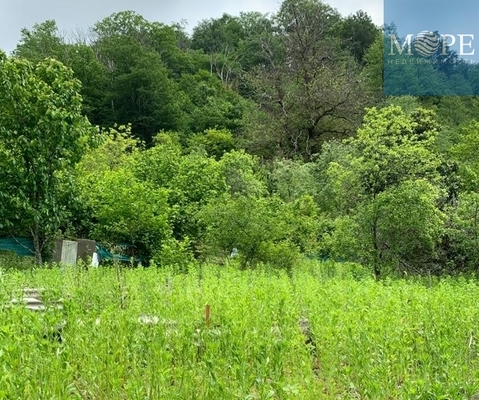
(269, 134)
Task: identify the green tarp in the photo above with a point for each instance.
(20, 246)
(24, 247)
(104, 254)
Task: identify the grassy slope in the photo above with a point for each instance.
(368, 340)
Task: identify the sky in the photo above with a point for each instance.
(79, 15)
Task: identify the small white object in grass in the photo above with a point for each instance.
(215, 332)
(171, 326)
(276, 331)
(148, 319)
(30, 303)
(32, 292)
(94, 260)
(34, 304)
(169, 323)
(27, 300)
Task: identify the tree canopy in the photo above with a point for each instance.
(269, 134)
(42, 135)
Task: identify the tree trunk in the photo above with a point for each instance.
(36, 243)
(377, 256)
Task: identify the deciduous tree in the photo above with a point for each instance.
(42, 135)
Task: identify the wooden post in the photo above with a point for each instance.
(207, 314)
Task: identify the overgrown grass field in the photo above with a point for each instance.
(322, 333)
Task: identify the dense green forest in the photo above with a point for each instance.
(269, 134)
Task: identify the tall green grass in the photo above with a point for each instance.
(365, 340)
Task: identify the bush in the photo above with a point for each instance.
(10, 260)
